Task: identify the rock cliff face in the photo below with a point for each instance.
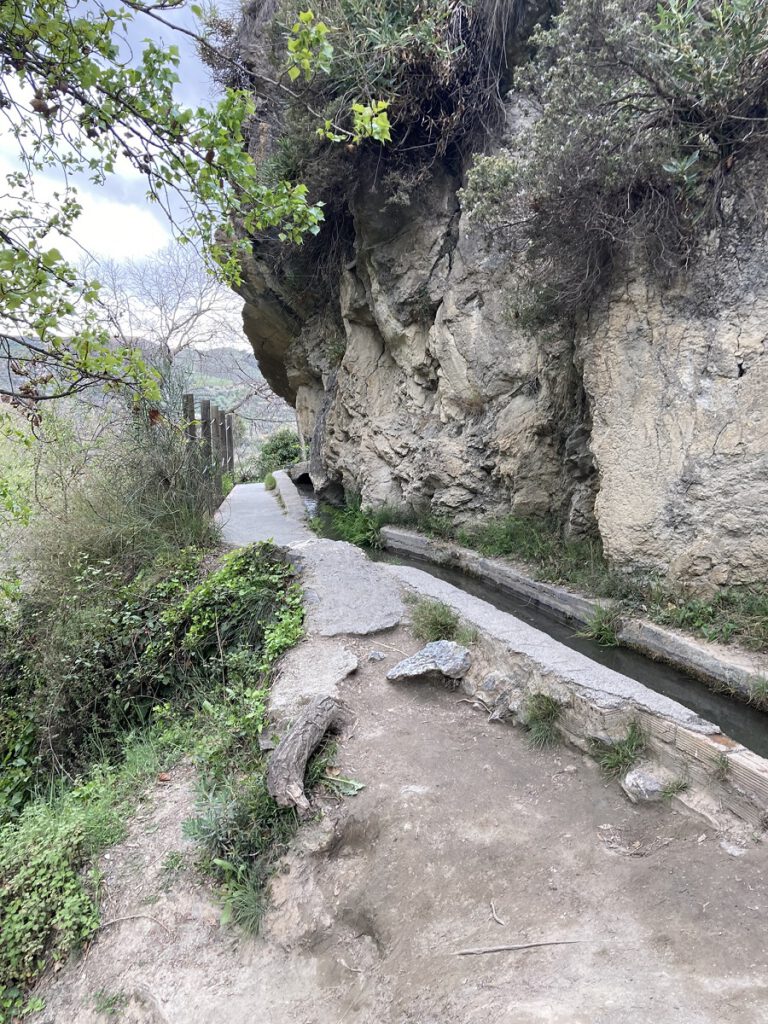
(647, 425)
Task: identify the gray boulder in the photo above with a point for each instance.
(642, 785)
(438, 661)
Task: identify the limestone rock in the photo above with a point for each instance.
(442, 659)
(646, 425)
(345, 592)
(497, 682)
(507, 706)
(643, 785)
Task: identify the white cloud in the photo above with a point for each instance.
(117, 220)
(120, 231)
(110, 227)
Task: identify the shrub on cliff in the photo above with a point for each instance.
(644, 110)
(441, 68)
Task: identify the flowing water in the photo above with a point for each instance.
(741, 722)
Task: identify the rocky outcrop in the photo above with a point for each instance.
(677, 381)
(421, 384)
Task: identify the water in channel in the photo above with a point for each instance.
(740, 721)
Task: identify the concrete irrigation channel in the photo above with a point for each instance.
(719, 770)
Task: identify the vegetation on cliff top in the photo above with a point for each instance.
(640, 112)
(441, 67)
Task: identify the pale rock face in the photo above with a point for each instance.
(680, 433)
(648, 426)
(439, 401)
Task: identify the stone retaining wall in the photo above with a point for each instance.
(723, 778)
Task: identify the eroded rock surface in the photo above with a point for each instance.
(646, 424)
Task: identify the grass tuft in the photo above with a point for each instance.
(618, 757)
(353, 523)
(603, 627)
(674, 787)
(110, 1004)
(721, 768)
(269, 482)
(541, 716)
(434, 620)
(758, 692)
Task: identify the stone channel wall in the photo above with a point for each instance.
(511, 660)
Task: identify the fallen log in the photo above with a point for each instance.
(288, 764)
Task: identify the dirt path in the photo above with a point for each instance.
(463, 837)
(374, 903)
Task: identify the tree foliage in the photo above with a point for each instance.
(643, 110)
(280, 450)
(79, 103)
(426, 78)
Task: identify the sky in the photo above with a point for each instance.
(118, 222)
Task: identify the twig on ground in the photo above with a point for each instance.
(476, 702)
(525, 945)
(495, 916)
(135, 917)
(391, 648)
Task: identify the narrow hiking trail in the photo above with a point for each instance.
(463, 837)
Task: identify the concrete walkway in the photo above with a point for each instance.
(250, 513)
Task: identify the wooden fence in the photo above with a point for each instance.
(216, 432)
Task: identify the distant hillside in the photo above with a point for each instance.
(230, 378)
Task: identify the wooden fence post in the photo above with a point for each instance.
(230, 442)
(188, 412)
(216, 446)
(214, 434)
(221, 415)
(205, 428)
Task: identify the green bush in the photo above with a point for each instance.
(75, 677)
(279, 451)
(353, 523)
(242, 832)
(438, 66)
(48, 889)
(145, 493)
(269, 482)
(74, 670)
(201, 651)
(645, 108)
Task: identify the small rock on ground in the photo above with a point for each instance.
(443, 658)
(642, 785)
